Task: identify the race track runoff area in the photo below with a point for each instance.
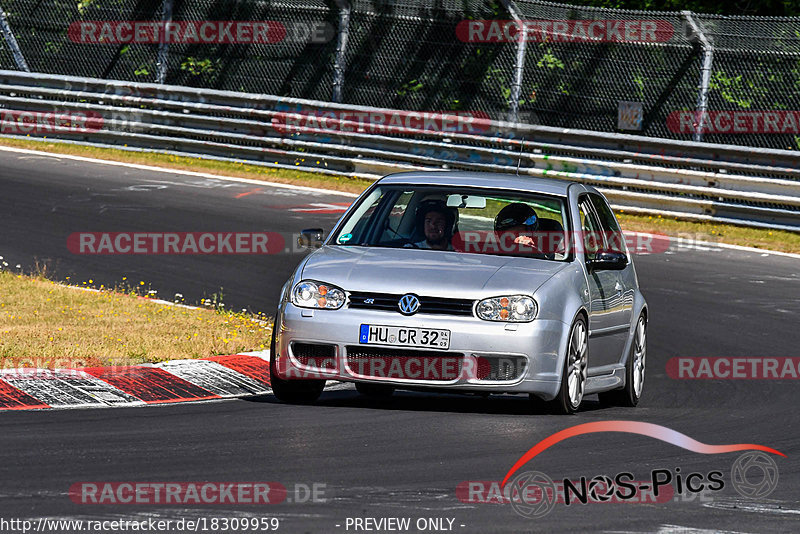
(217, 377)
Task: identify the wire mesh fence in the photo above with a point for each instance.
(755, 79)
(406, 55)
(535, 62)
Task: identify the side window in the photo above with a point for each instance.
(399, 219)
(591, 235)
(354, 230)
(614, 238)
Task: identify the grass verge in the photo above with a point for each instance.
(723, 233)
(44, 324)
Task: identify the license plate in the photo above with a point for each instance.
(404, 336)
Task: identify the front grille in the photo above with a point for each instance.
(384, 362)
(500, 367)
(430, 305)
(319, 355)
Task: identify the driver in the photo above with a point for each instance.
(437, 222)
(517, 221)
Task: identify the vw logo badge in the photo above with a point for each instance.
(409, 304)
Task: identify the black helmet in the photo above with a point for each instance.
(517, 214)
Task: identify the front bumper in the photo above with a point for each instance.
(540, 344)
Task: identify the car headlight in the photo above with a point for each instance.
(312, 294)
(512, 309)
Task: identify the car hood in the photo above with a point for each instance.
(427, 272)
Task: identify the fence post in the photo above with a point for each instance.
(12, 43)
(519, 66)
(163, 46)
(340, 63)
(696, 35)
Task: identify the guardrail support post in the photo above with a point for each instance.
(696, 35)
(12, 43)
(519, 66)
(340, 62)
(163, 47)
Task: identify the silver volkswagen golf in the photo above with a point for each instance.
(467, 282)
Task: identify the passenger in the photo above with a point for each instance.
(516, 223)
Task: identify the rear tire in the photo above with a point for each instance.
(378, 391)
(574, 373)
(305, 391)
(634, 371)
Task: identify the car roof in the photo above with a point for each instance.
(550, 186)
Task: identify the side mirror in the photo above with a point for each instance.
(608, 261)
(310, 238)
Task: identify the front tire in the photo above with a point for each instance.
(305, 391)
(634, 371)
(575, 371)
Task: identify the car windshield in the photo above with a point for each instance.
(458, 220)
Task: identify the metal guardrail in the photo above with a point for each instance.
(740, 185)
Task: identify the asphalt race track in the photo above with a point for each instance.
(403, 457)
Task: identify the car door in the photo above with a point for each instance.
(626, 278)
(606, 316)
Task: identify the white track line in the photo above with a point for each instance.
(177, 171)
